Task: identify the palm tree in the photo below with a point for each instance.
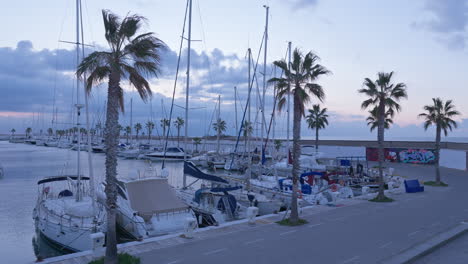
(317, 119)
(128, 131)
(383, 95)
(28, 132)
(247, 131)
(149, 126)
(299, 80)
(373, 119)
(137, 127)
(441, 115)
(179, 123)
(196, 142)
(50, 132)
(219, 127)
(165, 123)
(133, 57)
(13, 131)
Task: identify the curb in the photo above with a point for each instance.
(412, 254)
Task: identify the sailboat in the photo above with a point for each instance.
(66, 212)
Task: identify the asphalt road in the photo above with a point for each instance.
(363, 233)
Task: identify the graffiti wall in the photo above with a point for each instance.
(419, 156)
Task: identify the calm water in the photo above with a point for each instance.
(24, 165)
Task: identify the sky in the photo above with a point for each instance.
(422, 41)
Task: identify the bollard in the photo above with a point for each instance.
(252, 212)
(98, 244)
(190, 225)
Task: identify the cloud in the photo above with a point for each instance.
(300, 4)
(448, 20)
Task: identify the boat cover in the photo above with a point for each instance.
(192, 170)
(153, 196)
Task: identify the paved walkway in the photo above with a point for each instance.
(358, 232)
(455, 252)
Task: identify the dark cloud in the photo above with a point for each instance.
(448, 19)
(299, 4)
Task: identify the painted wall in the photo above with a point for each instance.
(403, 155)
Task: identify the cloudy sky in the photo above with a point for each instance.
(423, 41)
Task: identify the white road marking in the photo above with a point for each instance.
(315, 225)
(288, 232)
(350, 260)
(386, 244)
(414, 233)
(214, 251)
(174, 262)
(254, 241)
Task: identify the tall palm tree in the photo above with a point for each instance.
(219, 127)
(440, 114)
(149, 126)
(299, 80)
(128, 131)
(373, 119)
(28, 132)
(133, 57)
(165, 123)
(317, 119)
(13, 131)
(383, 95)
(179, 123)
(137, 127)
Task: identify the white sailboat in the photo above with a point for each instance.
(66, 212)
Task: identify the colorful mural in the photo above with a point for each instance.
(418, 156)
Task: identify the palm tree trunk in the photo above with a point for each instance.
(111, 141)
(437, 145)
(380, 139)
(316, 139)
(294, 218)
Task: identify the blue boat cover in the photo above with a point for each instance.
(192, 170)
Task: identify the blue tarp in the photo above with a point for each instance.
(192, 170)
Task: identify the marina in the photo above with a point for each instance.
(193, 131)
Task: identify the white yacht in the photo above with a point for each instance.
(175, 154)
(148, 206)
(63, 219)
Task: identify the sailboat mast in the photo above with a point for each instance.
(218, 130)
(289, 96)
(264, 76)
(88, 124)
(78, 106)
(235, 107)
(189, 40)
